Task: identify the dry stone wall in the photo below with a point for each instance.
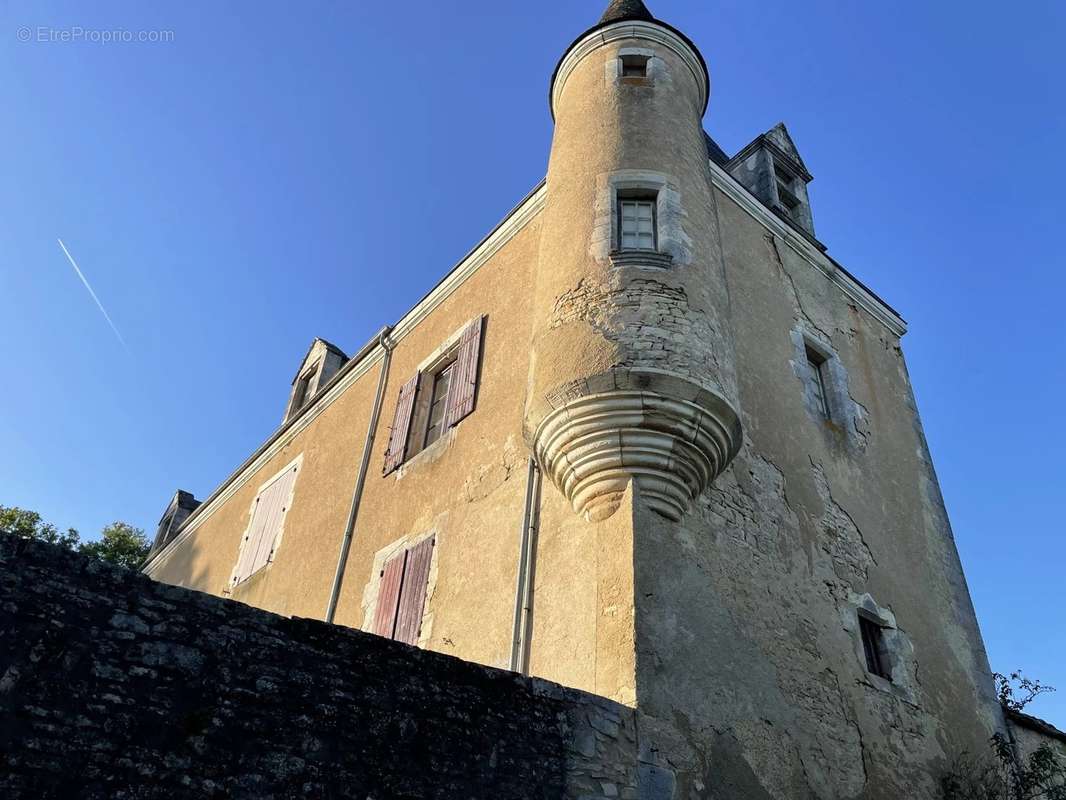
(114, 686)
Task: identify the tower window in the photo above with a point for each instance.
(637, 223)
(873, 647)
(816, 380)
(634, 66)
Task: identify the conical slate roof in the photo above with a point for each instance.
(625, 10)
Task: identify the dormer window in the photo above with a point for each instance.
(634, 66)
(321, 363)
(637, 223)
(303, 389)
(788, 200)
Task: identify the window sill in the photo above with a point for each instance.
(650, 259)
(427, 454)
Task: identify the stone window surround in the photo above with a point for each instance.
(834, 377)
(897, 652)
(371, 590)
(674, 245)
(655, 68)
(828, 409)
(439, 356)
(298, 464)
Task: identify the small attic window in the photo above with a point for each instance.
(634, 66)
(303, 386)
(789, 201)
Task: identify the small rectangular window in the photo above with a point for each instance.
(634, 66)
(816, 380)
(438, 405)
(637, 223)
(788, 200)
(873, 647)
(302, 393)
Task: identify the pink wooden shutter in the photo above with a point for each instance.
(463, 385)
(401, 424)
(413, 593)
(389, 595)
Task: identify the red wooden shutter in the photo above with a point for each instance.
(463, 384)
(413, 593)
(401, 423)
(389, 595)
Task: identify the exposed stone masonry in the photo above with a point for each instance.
(114, 686)
(652, 321)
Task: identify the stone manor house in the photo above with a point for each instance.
(649, 440)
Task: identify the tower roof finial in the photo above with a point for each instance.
(624, 10)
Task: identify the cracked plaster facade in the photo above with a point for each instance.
(723, 606)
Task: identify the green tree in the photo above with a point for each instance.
(29, 525)
(119, 543)
(1004, 774)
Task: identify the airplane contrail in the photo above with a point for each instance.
(99, 305)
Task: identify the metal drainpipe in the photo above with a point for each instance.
(527, 566)
(360, 482)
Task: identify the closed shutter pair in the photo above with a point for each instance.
(461, 392)
(268, 515)
(402, 593)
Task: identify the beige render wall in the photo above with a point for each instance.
(297, 582)
(750, 674)
(468, 489)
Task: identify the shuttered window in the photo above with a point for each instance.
(439, 399)
(268, 517)
(401, 423)
(402, 593)
(389, 595)
(463, 386)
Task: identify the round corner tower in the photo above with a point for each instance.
(632, 372)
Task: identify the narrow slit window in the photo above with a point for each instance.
(637, 224)
(816, 379)
(873, 647)
(634, 66)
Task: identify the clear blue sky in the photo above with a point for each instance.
(278, 172)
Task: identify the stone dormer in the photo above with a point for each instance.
(770, 167)
(179, 509)
(319, 365)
